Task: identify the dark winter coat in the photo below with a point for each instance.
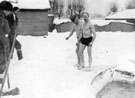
(12, 24)
(4, 29)
(4, 43)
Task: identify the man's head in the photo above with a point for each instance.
(85, 16)
(6, 7)
(16, 9)
(75, 18)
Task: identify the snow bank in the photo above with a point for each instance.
(58, 21)
(106, 22)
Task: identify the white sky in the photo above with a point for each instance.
(98, 6)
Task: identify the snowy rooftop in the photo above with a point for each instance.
(106, 22)
(34, 4)
(125, 14)
(99, 22)
(58, 21)
(116, 17)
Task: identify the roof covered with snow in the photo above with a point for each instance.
(31, 4)
(106, 22)
(34, 4)
(58, 21)
(98, 22)
(125, 14)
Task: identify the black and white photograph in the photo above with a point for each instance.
(67, 49)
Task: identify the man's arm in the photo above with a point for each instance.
(6, 27)
(5, 31)
(71, 33)
(92, 28)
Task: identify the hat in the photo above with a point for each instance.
(15, 8)
(5, 5)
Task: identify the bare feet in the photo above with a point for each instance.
(81, 67)
(76, 65)
(88, 68)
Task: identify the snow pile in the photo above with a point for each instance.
(125, 71)
(106, 22)
(101, 81)
(127, 65)
(58, 21)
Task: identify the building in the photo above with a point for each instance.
(33, 16)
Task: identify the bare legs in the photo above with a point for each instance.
(81, 56)
(78, 56)
(89, 48)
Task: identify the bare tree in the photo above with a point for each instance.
(77, 7)
(130, 4)
(113, 7)
(73, 7)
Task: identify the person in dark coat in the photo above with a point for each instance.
(13, 23)
(5, 8)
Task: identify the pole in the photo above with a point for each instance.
(6, 55)
(7, 65)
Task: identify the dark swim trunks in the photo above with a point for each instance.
(86, 41)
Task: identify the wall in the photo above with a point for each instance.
(33, 23)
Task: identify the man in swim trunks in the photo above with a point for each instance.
(77, 27)
(87, 38)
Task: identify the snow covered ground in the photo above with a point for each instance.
(47, 69)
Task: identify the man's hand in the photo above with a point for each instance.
(67, 38)
(90, 44)
(77, 44)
